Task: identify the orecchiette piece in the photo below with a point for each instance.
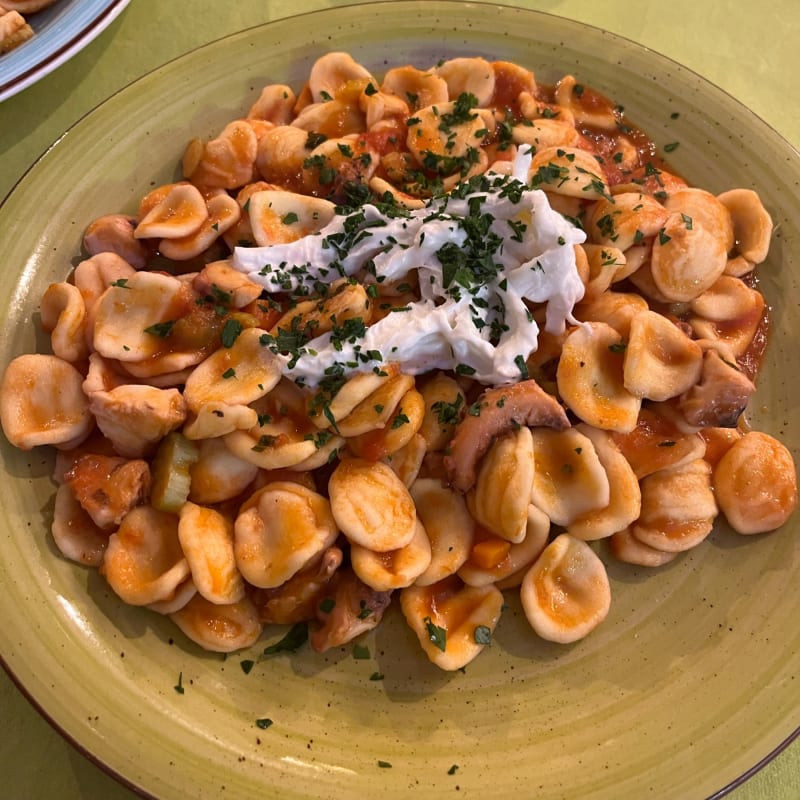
(221, 278)
(500, 498)
(426, 87)
(181, 212)
(626, 219)
(407, 461)
(219, 628)
(218, 419)
(492, 559)
(144, 562)
(280, 216)
(63, 314)
(206, 538)
(660, 360)
(569, 171)
(371, 505)
(114, 233)
(74, 532)
(590, 378)
(755, 484)
(229, 159)
(405, 422)
(566, 593)
(394, 569)
(223, 214)
(616, 309)
(281, 153)
(443, 403)
(473, 76)
(656, 443)
(235, 375)
(687, 258)
(449, 527)
(280, 530)
(625, 499)
(627, 548)
(678, 507)
(752, 224)
(698, 205)
(333, 71)
(219, 475)
(42, 402)
(729, 311)
(569, 479)
(274, 104)
(591, 114)
(377, 410)
(453, 622)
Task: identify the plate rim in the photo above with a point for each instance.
(119, 5)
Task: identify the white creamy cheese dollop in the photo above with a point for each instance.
(479, 254)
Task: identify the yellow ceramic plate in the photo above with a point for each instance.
(689, 683)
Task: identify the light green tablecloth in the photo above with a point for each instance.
(752, 50)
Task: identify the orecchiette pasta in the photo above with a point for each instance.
(427, 336)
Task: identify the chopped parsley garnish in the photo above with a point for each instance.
(294, 639)
(264, 723)
(482, 635)
(230, 332)
(161, 329)
(436, 634)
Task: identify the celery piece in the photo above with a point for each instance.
(171, 472)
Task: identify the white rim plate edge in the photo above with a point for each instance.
(66, 144)
(56, 40)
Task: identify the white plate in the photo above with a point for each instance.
(60, 32)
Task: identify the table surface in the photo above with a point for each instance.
(748, 49)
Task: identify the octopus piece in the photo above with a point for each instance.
(42, 402)
(136, 417)
(348, 608)
(280, 530)
(502, 409)
(721, 395)
(114, 233)
(755, 484)
(371, 505)
(219, 628)
(298, 598)
(566, 593)
(453, 622)
(75, 533)
(108, 487)
(501, 495)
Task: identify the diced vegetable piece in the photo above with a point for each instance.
(171, 472)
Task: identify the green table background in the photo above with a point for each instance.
(752, 50)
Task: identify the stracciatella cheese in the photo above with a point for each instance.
(478, 255)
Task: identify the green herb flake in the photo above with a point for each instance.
(327, 604)
(230, 332)
(290, 218)
(264, 723)
(296, 637)
(384, 764)
(247, 665)
(178, 687)
(376, 676)
(229, 373)
(618, 347)
(360, 652)
(453, 769)
(121, 283)
(161, 329)
(482, 635)
(436, 634)
(671, 147)
(663, 237)
(687, 221)
(370, 89)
